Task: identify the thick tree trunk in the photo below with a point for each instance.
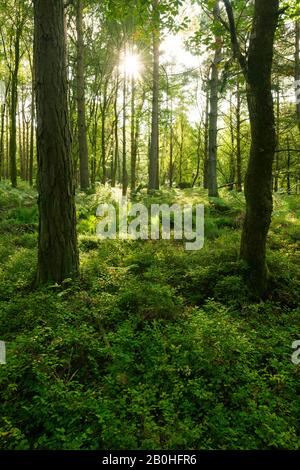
(213, 114)
(258, 183)
(82, 136)
(154, 146)
(58, 253)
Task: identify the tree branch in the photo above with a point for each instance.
(236, 49)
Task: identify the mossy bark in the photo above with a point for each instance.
(258, 183)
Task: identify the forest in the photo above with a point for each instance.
(185, 114)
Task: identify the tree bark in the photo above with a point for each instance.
(82, 136)
(257, 69)
(57, 250)
(258, 182)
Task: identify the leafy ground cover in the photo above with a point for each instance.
(154, 347)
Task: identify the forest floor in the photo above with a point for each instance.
(155, 347)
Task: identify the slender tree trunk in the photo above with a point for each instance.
(3, 106)
(206, 139)
(13, 111)
(82, 136)
(103, 143)
(124, 155)
(154, 146)
(171, 165)
(57, 251)
(133, 143)
(116, 135)
(232, 149)
(238, 139)
(277, 138)
(213, 115)
(198, 156)
(20, 139)
(297, 67)
(32, 127)
(288, 166)
(7, 144)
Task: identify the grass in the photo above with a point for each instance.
(154, 347)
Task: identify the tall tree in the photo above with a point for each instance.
(257, 69)
(154, 143)
(82, 136)
(58, 253)
(213, 113)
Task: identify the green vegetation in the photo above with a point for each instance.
(154, 347)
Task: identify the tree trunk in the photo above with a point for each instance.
(154, 146)
(171, 165)
(82, 137)
(288, 166)
(195, 179)
(116, 135)
(277, 138)
(258, 183)
(238, 139)
(133, 143)
(213, 115)
(206, 138)
(57, 251)
(297, 67)
(13, 111)
(31, 150)
(103, 143)
(232, 149)
(124, 155)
